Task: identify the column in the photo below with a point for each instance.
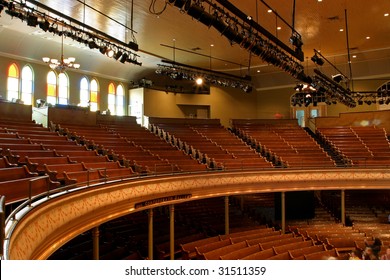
(150, 236)
(95, 242)
(283, 212)
(172, 231)
(226, 215)
(242, 201)
(343, 207)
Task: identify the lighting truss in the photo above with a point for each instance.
(240, 29)
(183, 72)
(65, 26)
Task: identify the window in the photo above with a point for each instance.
(27, 85)
(13, 83)
(84, 92)
(94, 95)
(120, 100)
(63, 89)
(51, 88)
(111, 98)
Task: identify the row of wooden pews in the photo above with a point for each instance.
(256, 244)
(285, 143)
(176, 160)
(210, 143)
(362, 146)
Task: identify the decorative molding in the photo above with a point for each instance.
(49, 225)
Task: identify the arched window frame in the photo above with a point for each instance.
(94, 95)
(63, 89)
(120, 100)
(13, 76)
(84, 92)
(51, 87)
(112, 98)
(27, 89)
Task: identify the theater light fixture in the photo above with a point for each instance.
(57, 23)
(240, 29)
(338, 78)
(178, 71)
(317, 60)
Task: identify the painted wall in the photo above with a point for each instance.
(40, 73)
(274, 103)
(224, 103)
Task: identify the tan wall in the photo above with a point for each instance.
(225, 104)
(275, 102)
(40, 73)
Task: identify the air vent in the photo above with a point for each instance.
(334, 18)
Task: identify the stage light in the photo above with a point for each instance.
(338, 78)
(118, 55)
(92, 44)
(32, 20)
(317, 60)
(110, 52)
(124, 58)
(44, 25)
(199, 81)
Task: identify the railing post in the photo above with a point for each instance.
(172, 230)
(343, 207)
(105, 175)
(150, 235)
(88, 178)
(95, 241)
(283, 194)
(29, 193)
(227, 226)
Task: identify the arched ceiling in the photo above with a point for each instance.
(319, 22)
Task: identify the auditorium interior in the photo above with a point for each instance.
(194, 129)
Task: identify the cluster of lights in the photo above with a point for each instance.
(247, 33)
(59, 26)
(62, 64)
(200, 77)
(381, 97)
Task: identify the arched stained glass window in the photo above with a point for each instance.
(27, 85)
(13, 82)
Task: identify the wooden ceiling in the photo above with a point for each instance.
(321, 24)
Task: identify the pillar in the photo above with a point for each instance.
(242, 201)
(150, 235)
(343, 207)
(283, 212)
(95, 242)
(226, 215)
(172, 231)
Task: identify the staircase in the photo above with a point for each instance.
(336, 156)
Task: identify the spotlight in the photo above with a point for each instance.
(92, 44)
(110, 52)
(298, 87)
(44, 25)
(32, 20)
(103, 49)
(118, 55)
(381, 101)
(199, 81)
(338, 78)
(247, 88)
(198, 13)
(317, 60)
(124, 58)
